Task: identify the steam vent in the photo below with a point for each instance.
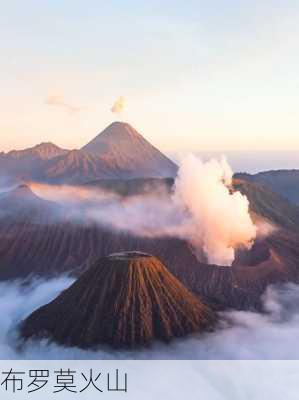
(125, 300)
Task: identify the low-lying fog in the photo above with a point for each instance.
(201, 210)
(241, 335)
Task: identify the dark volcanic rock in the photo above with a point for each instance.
(125, 300)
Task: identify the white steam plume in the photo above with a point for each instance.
(119, 106)
(220, 217)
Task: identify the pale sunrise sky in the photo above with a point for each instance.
(198, 75)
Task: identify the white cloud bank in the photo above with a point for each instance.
(242, 335)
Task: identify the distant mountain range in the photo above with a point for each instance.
(119, 152)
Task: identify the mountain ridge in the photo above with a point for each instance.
(118, 152)
(283, 182)
(44, 150)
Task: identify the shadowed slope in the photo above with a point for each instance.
(269, 205)
(283, 182)
(20, 204)
(28, 163)
(124, 300)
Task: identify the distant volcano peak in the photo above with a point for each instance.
(128, 153)
(120, 125)
(116, 133)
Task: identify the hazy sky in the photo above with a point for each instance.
(196, 75)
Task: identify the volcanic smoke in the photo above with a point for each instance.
(220, 216)
(119, 106)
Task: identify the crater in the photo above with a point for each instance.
(258, 253)
(127, 255)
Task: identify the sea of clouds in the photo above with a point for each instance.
(240, 334)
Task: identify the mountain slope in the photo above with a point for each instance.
(27, 164)
(134, 186)
(44, 151)
(270, 205)
(20, 205)
(122, 148)
(283, 182)
(124, 300)
(76, 167)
